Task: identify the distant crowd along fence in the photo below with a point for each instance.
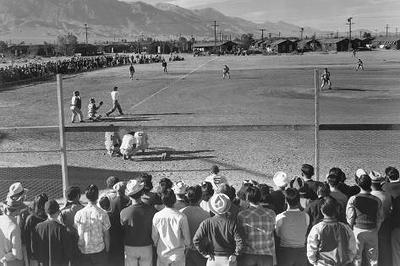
(59, 132)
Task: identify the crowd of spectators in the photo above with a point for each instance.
(43, 70)
(300, 222)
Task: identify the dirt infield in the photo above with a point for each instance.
(262, 91)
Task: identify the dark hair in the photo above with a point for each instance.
(243, 189)
(307, 170)
(165, 183)
(168, 197)
(111, 181)
(253, 195)
(323, 189)
(392, 173)
(73, 192)
(193, 194)
(364, 182)
(52, 207)
(333, 180)
(265, 193)
(38, 204)
(105, 203)
(215, 169)
(115, 88)
(329, 207)
(227, 190)
(206, 190)
(292, 197)
(146, 179)
(92, 193)
(339, 173)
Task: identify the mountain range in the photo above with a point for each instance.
(112, 19)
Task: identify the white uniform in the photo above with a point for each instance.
(128, 145)
(216, 180)
(141, 140)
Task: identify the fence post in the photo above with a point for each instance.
(316, 123)
(63, 148)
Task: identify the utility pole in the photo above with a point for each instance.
(86, 29)
(301, 33)
(269, 35)
(350, 23)
(262, 34)
(215, 35)
(387, 29)
(220, 36)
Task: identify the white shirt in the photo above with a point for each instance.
(10, 239)
(216, 180)
(170, 234)
(115, 95)
(127, 142)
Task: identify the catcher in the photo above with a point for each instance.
(141, 141)
(128, 145)
(92, 110)
(112, 143)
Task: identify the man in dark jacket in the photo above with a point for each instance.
(52, 243)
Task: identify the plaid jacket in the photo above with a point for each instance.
(257, 225)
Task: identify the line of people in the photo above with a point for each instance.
(302, 222)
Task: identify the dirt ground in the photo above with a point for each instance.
(203, 120)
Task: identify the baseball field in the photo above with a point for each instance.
(251, 125)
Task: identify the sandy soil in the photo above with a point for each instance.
(263, 91)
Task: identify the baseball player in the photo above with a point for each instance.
(128, 145)
(225, 72)
(131, 71)
(116, 105)
(76, 105)
(92, 110)
(141, 139)
(112, 143)
(164, 65)
(326, 79)
(360, 65)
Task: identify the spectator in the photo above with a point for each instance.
(215, 178)
(110, 182)
(266, 199)
(291, 228)
(258, 225)
(230, 192)
(10, 234)
(364, 215)
(148, 197)
(307, 172)
(333, 181)
(93, 224)
(218, 237)
(164, 184)
(299, 184)
(342, 187)
(170, 232)
(52, 243)
(207, 192)
(385, 249)
(281, 181)
(180, 190)
(330, 242)
(314, 208)
(243, 203)
(393, 188)
(136, 221)
(195, 215)
(38, 215)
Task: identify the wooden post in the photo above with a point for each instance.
(63, 148)
(316, 123)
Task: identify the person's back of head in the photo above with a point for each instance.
(38, 204)
(329, 207)
(73, 193)
(364, 182)
(92, 193)
(323, 190)
(165, 183)
(215, 169)
(333, 180)
(392, 173)
(115, 88)
(339, 173)
(52, 208)
(193, 195)
(253, 195)
(292, 197)
(206, 190)
(265, 192)
(147, 181)
(168, 198)
(111, 181)
(227, 190)
(307, 170)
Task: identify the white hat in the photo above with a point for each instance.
(16, 189)
(219, 203)
(360, 172)
(376, 177)
(133, 187)
(180, 188)
(281, 179)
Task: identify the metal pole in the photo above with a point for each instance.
(316, 123)
(63, 150)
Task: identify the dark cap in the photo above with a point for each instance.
(51, 207)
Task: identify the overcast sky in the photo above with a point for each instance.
(321, 14)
